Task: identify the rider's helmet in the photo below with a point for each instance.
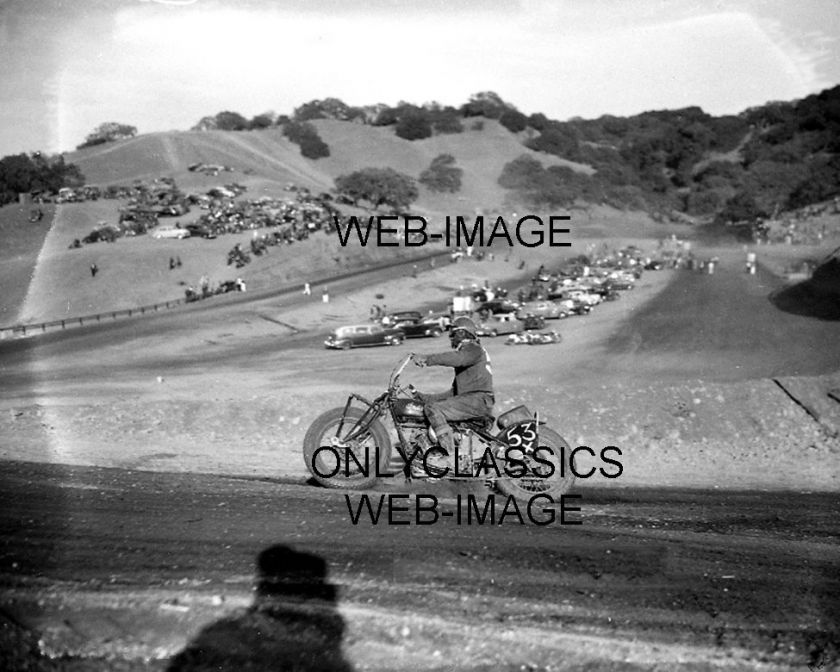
(462, 329)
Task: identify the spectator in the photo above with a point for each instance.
(94, 269)
(171, 263)
(307, 290)
(325, 295)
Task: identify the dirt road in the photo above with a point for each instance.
(135, 570)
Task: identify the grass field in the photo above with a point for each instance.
(20, 243)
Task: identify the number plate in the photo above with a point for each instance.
(524, 436)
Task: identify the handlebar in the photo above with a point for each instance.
(395, 374)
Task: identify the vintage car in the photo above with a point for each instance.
(574, 307)
(199, 230)
(530, 322)
(545, 309)
(390, 319)
(581, 296)
(497, 325)
(497, 306)
(619, 284)
(414, 328)
(170, 232)
(363, 335)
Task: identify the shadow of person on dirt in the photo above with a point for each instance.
(291, 626)
(818, 297)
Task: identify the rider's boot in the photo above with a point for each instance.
(438, 461)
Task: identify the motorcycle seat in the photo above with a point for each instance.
(480, 423)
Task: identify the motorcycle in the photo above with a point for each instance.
(350, 447)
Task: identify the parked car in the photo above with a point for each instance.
(574, 307)
(391, 319)
(414, 328)
(546, 309)
(199, 230)
(534, 322)
(496, 325)
(589, 298)
(619, 284)
(170, 232)
(443, 320)
(363, 335)
(497, 306)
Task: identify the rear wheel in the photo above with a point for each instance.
(339, 455)
(551, 475)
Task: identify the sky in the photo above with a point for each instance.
(66, 66)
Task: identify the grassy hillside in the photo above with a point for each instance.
(134, 271)
(21, 242)
(257, 157)
(265, 161)
(480, 153)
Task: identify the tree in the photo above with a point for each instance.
(486, 104)
(378, 186)
(514, 121)
(329, 108)
(414, 125)
(740, 207)
(108, 132)
(22, 174)
(558, 139)
(305, 135)
(231, 121)
(444, 119)
(442, 175)
(521, 173)
(264, 120)
(822, 183)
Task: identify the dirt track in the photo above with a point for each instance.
(125, 569)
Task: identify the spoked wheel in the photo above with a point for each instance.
(546, 476)
(339, 454)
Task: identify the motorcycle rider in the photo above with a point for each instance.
(471, 394)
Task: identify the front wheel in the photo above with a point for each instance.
(550, 475)
(340, 454)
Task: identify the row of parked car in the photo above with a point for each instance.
(550, 297)
(390, 329)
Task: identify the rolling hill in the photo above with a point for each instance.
(265, 161)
